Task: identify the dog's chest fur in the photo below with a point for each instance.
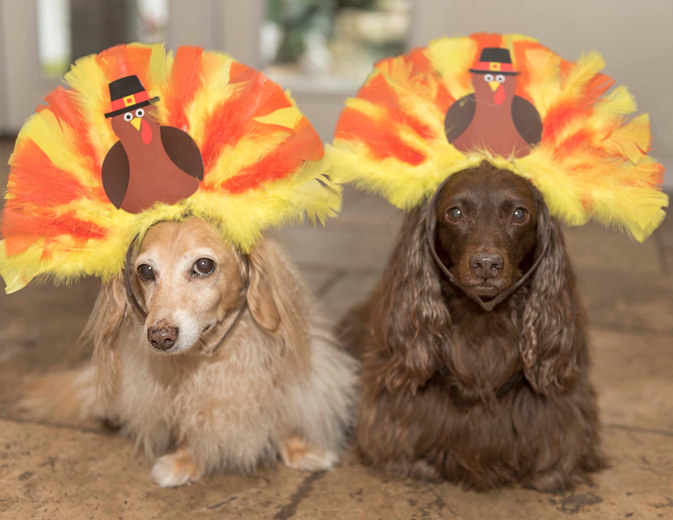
(163, 400)
(482, 361)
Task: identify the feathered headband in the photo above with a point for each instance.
(440, 109)
(140, 137)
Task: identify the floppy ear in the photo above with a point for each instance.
(102, 330)
(276, 296)
(410, 323)
(553, 345)
(260, 297)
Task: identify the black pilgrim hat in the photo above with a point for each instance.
(127, 94)
(494, 60)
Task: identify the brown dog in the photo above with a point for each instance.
(452, 390)
(233, 365)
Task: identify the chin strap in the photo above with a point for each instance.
(132, 297)
(489, 305)
(127, 280)
(239, 314)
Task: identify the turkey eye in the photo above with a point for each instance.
(500, 78)
(128, 116)
(520, 215)
(454, 214)
(203, 267)
(488, 78)
(145, 272)
(140, 112)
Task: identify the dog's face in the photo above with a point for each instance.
(486, 228)
(189, 280)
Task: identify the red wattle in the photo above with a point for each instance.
(499, 95)
(145, 132)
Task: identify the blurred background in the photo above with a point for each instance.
(323, 49)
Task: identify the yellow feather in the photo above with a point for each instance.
(587, 66)
(160, 65)
(247, 151)
(544, 86)
(615, 104)
(287, 117)
(631, 139)
(42, 129)
(452, 57)
(87, 78)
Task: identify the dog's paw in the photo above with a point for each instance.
(175, 469)
(297, 454)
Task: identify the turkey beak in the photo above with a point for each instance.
(494, 85)
(136, 122)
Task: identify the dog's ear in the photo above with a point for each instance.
(102, 330)
(409, 318)
(260, 295)
(553, 341)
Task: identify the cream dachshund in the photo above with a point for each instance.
(233, 365)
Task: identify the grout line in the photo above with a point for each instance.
(105, 432)
(441, 504)
(303, 490)
(634, 331)
(321, 267)
(625, 427)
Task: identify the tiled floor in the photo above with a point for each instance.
(85, 471)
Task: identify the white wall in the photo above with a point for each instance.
(634, 36)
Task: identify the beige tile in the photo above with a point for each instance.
(593, 246)
(66, 473)
(629, 302)
(637, 483)
(632, 375)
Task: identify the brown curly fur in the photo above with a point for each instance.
(450, 391)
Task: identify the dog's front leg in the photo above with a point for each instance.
(297, 453)
(177, 468)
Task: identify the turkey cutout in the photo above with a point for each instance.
(494, 118)
(150, 163)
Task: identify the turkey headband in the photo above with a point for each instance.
(440, 109)
(139, 136)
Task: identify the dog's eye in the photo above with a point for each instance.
(520, 215)
(454, 214)
(203, 267)
(145, 272)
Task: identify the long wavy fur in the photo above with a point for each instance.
(481, 398)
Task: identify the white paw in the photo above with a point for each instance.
(314, 461)
(296, 454)
(175, 469)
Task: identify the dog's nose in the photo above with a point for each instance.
(486, 265)
(163, 337)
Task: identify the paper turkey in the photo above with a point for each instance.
(493, 118)
(150, 163)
